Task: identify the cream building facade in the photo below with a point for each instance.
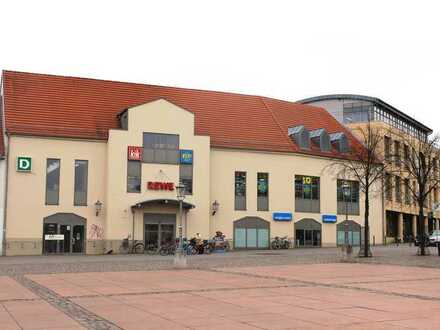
(86, 195)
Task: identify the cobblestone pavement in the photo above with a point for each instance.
(294, 289)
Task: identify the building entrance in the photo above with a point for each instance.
(159, 229)
(353, 230)
(307, 233)
(64, 233)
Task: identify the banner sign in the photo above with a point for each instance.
(329, 218)
(134, 153)
(24, 164)
(152, 185)
(282, 216)
(53, 237)
(186, 156)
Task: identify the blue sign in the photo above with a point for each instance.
(329, 218)
(282, 216)
(186, 156)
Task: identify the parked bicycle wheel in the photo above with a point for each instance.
(151, 249)
(138, 248)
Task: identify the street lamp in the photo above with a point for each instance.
(98, 207)
(346, 192)
(215, 206)
(180, 260)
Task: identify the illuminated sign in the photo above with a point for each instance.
(307, 180)
(186, 156)
(134, 153)
(154, 185)
(24, 164)
(329, 218)
(282, 216)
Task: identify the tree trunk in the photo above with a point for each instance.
(367, 225)
(422, 229)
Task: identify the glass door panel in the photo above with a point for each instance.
(356, 238)
(78, 239)
(240, 238)
(299, 236)
(308, 238)
(316, 237)
(167, 234)
(263, 238)
(152, 235)
(50, 246)
(251, 237)
(64, 245)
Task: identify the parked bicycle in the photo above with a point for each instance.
(130, 246)
(280, 243)
(167, 249)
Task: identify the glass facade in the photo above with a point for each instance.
(354, 112)
(134, 169)
(240, 191)
(161, 148)
(52, 181)
(307, 193)
(262, 191)
(81, 177)
(186, 177)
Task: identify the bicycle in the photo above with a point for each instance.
(167, 249)
(131, 247)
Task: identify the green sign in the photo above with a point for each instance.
(24, 164)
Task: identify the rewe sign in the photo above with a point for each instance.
(154, 185)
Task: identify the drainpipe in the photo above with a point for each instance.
(5, 196)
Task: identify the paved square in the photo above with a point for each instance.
(315, 296)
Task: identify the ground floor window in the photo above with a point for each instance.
(391, 224)
(353, 231)
(307, 233)
(64, 233)
(251, 233)
(160, 230)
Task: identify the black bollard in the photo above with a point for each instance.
(438, 249)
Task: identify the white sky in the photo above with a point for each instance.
(283, 49)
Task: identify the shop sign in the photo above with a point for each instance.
(186, 156)
(155, 185)
(134, 153)
(329, 218)
(53, 237)
(282, 216)
(24, 164)
(307, 180)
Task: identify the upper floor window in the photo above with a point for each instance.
(398, 189)
(161, 148)
(307, 193)
(348, 200)
(240, 190)
(262, 191)
(388, 187)
(357, 112)
(81, 177)
(134, 172)
(186, 177)
(397, 153)
(52, 181)
(387, 147)
(407, 192)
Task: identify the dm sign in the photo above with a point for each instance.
(24, 164)
(186, 156)
(134, 153)
(282, 216)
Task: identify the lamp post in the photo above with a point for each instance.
(180, 260)
(346, 192)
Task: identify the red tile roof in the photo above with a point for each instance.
(48, 105)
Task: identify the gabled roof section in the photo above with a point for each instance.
(59, 106)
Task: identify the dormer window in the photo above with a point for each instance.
(321, 138)
(300, 135)
(340, 141)
(123, 119)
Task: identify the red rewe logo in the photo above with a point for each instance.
(154, 185)
(134, 153)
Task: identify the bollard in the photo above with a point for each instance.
(438, 249)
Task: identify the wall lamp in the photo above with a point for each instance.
(98, 207)
(215, 206)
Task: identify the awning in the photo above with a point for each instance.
(172, 202)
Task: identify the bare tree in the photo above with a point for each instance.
(367, 165)
(420, 164)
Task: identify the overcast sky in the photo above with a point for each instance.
(283, 49)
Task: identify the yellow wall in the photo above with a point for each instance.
(213, 179)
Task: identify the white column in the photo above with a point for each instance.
(400, 227)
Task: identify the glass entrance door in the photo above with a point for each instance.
(159, 234)
(50, 246)
(152, 235)
(167, 234)
(78, 239)
(308, 238)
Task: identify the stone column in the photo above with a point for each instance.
(414, 226)
(400, 227)
(426, 225)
